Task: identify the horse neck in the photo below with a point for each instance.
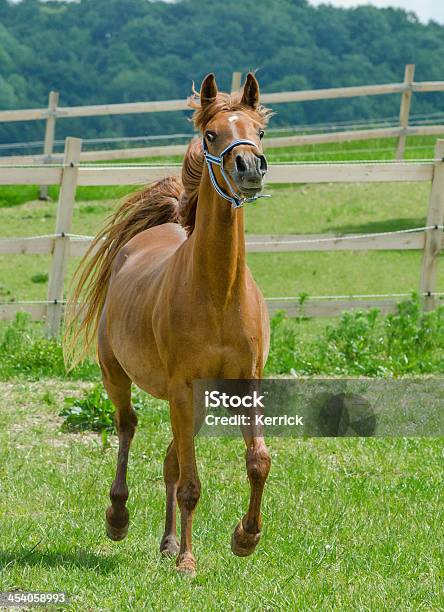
(218, 244)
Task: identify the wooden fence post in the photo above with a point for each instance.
(60, 254)
(433, 238)
(404, 112)
(236, 81)
(48, 145)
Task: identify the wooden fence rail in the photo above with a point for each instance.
(64, 112)
(54, 112)
(62, 244)
(40, 245)
(336, 172)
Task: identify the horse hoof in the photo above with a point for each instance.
(186, 565)
(169, 546)
(243, 543)
(116, 532)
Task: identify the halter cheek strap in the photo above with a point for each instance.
(237, 201)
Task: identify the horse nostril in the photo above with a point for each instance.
(263, 166)
(241, 166)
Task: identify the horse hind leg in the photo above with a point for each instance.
(118, 386)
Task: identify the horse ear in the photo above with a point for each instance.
(250, 96)
(208, 90)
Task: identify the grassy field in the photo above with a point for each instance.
(348, 524)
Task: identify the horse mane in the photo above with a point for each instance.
(191, 176)
(193, 162)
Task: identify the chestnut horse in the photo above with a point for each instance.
(167, 293)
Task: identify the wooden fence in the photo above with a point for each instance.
(70, 174)
(54, 112)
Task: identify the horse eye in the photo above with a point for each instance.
(261, 134)
(210, 136)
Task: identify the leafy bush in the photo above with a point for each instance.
(353, 346)
(415, 339)
(363, 343)
(24, 351)
(40, 278)
(283, 342)
(94, 412)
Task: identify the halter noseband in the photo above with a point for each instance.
(237, 201)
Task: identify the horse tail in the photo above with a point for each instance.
(151, 206)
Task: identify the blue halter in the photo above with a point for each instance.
(237, 201)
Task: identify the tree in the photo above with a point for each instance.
(98, 51)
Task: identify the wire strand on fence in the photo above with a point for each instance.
(42, 236)
(276, 242)
(39, 143)
(358, 296)
(91, 166)
(98, 166)
(297, 298)
(346, 237)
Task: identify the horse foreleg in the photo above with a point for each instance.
(188, 488)
(248, 531)
(169, 544)
(118, 386)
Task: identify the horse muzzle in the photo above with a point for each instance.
(249, 171)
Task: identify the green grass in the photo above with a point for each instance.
(349, 524)
(14, 195)
(417, 147)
